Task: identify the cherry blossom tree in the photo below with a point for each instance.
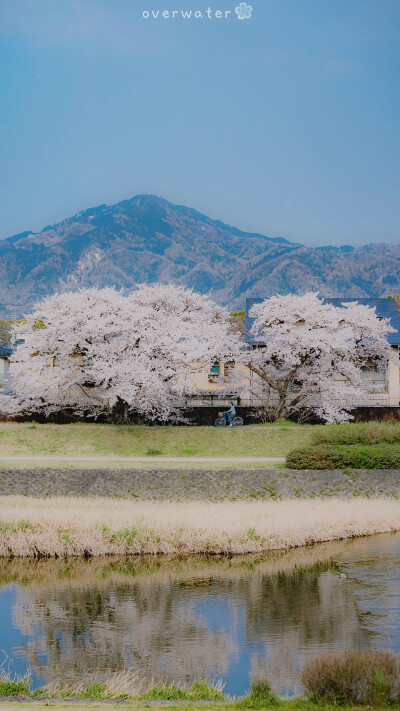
(310, 353)
(99, 351)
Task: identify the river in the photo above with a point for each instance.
(220, 618)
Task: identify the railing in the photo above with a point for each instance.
(219, 400)
(214, 400)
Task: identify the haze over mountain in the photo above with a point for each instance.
(147, 239)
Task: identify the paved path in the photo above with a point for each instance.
(136, 460)
(19, 425)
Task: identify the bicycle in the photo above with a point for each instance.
(222, 422)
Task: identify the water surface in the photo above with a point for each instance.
(179, 619)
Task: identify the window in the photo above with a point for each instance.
(374, 379)
(229, 366)
(215, 368)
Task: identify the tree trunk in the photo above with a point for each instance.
(120, 413)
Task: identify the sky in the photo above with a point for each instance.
(285, 123)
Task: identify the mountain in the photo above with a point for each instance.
(147, 239)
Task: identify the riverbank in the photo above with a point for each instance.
(71, 526)
(193, 484)
(127, 689)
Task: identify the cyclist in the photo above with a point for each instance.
(229, 415)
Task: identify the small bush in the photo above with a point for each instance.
(260, 695)
(201, 690)
(96, 690)
(165, 692)
(13, 684)
(355, 677)
(357, 433)
(357, 457)
(14, 688)
(204, 690)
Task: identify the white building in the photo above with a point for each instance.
(5, 354)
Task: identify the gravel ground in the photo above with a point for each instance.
(185, 484)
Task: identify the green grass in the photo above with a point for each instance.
(199, 691)
(363, 445)
(367, 433)
(14, 688)
(280, 423)
(142, 441)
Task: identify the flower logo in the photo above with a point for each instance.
(243, 11)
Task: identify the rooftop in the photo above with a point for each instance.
(5, 352)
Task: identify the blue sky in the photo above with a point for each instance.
(285, 124)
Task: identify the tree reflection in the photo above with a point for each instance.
(183, 619)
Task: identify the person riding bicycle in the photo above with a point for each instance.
(229, 415)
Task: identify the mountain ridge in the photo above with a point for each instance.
(148, 239)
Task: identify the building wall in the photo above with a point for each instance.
(251, 388)
(4, 370)
(235, 384)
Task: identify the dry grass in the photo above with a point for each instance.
(64, 526)
(123, 684)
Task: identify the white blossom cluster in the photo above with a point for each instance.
(96, 348)
(312, 352)
(100, 351)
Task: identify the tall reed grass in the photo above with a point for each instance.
(64, 527)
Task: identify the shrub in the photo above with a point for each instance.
(357, 457)
(165, 692)
(354, 677)
(14, 688)
(260, 695)
(204, 690)
(201, 690)
(357, 433)
(95, 690)
(13, 684)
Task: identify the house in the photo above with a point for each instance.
(5, 354)
(383, 386)
(215, 386)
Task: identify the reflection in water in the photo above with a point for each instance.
(186, 618)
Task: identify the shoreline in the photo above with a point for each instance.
(64, 527)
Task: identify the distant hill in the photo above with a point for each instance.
(147, 239)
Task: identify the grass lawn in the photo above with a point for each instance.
(139, 440)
